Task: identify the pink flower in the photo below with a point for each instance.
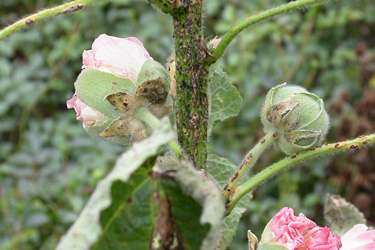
(358, 238)
(122, 57)
(299, 233)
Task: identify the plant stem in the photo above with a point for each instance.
(191, 80)
(249, 162)
(145, 115)
(254, 19)
(294, 159)
(44, 14)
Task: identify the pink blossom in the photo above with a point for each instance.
(122, 57)
(358, 238)
(299, 233)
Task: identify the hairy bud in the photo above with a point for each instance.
(297, 116)
(118, 77)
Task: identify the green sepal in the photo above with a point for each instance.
(93, 86)
(152, 70)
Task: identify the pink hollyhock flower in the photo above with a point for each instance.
(299, 233)
(358, 238)
(122, 57)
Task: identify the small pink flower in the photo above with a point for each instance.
(358, 238)
(299, 233)
(122, 57)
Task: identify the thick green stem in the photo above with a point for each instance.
(145, 115)
(249, 162)
(258, 179)
(44, 14)
(254, 19)
(191, 81)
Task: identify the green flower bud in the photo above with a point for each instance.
(297, 117)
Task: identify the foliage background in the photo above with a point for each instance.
(49, 166)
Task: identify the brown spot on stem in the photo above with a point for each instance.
(235, 177)
(263, 140)
(29, 21)
(336, 145)
(274, 135)
(353, 146)
(73, 8)
(294, 155)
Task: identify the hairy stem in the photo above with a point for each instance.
(191, 81)
(258, 179)
(249, 162)
(254, 19)
(44, 14)
(145, 115)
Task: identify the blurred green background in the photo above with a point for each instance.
(49, 166)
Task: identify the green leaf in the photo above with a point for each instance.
(87, 229)
(224, 101)
(203, 190)
(269, 246)
(221, 169)
(341, 215)
(93, 86)
(186, 214)
(194, 183)
(128, 223)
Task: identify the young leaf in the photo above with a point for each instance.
(224, 101)
(222, 170)
(341, 215)
(87, 229)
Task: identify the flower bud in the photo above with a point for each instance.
(297, 117)
(118, 77)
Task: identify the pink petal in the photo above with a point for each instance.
(121, 56)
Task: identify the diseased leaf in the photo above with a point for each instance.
(87, 229)
(224, 101)
(222, 170)
(203, 190)
(340, 215)
(195, 184)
